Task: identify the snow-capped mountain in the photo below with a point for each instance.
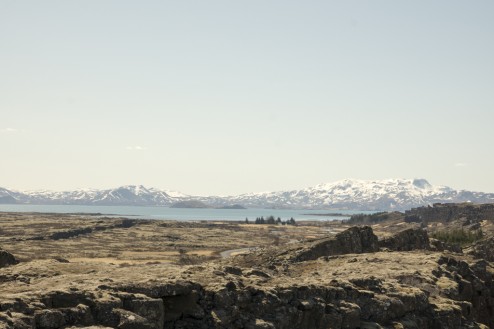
(129, 195)
(389, 194)
(7, 196)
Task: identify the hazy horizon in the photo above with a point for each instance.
(226, 98)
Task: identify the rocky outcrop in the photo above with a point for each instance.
(71, 233)
(68, 234)
(416, 239)
(355, 240)
(483, 249)
(358, 240)
(438, 245)
(410, 239)
(457, 295)
(7, 259)
(472, 289)
(447, 212)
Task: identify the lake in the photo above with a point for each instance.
(184, 214)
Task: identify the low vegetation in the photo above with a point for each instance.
(458, 236)
(368, 218)
(270, 220)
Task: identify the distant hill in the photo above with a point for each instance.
(377, 195)
(189, 204)
(235, 206)
(7, 199)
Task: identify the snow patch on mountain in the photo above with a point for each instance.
(388, 194)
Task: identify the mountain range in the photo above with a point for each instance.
(388, 194)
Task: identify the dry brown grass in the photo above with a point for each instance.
(28, 237)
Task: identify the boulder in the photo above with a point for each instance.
(151, 309)
(7, 259)
(49, 319)
(129, 320)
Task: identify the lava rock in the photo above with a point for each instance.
(410, 239)
(355, 240)
(7, 259)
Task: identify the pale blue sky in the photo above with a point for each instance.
(227, 97)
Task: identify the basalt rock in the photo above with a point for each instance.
(438, 245)
(465, 300)
(447, 212)
(483, 249)
(71, 233)
(355, 240)
(474, 289)
(7, 259)
(410, 239)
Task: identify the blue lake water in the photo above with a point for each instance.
(183, 214)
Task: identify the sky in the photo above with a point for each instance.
(227, 97)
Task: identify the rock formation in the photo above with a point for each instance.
(7, 259)
(446, 212)
(355, 240)
(410, 239)
(483, 249)
(349, 280)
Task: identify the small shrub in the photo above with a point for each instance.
(458, 236)
(368, 218)
(186, 259)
